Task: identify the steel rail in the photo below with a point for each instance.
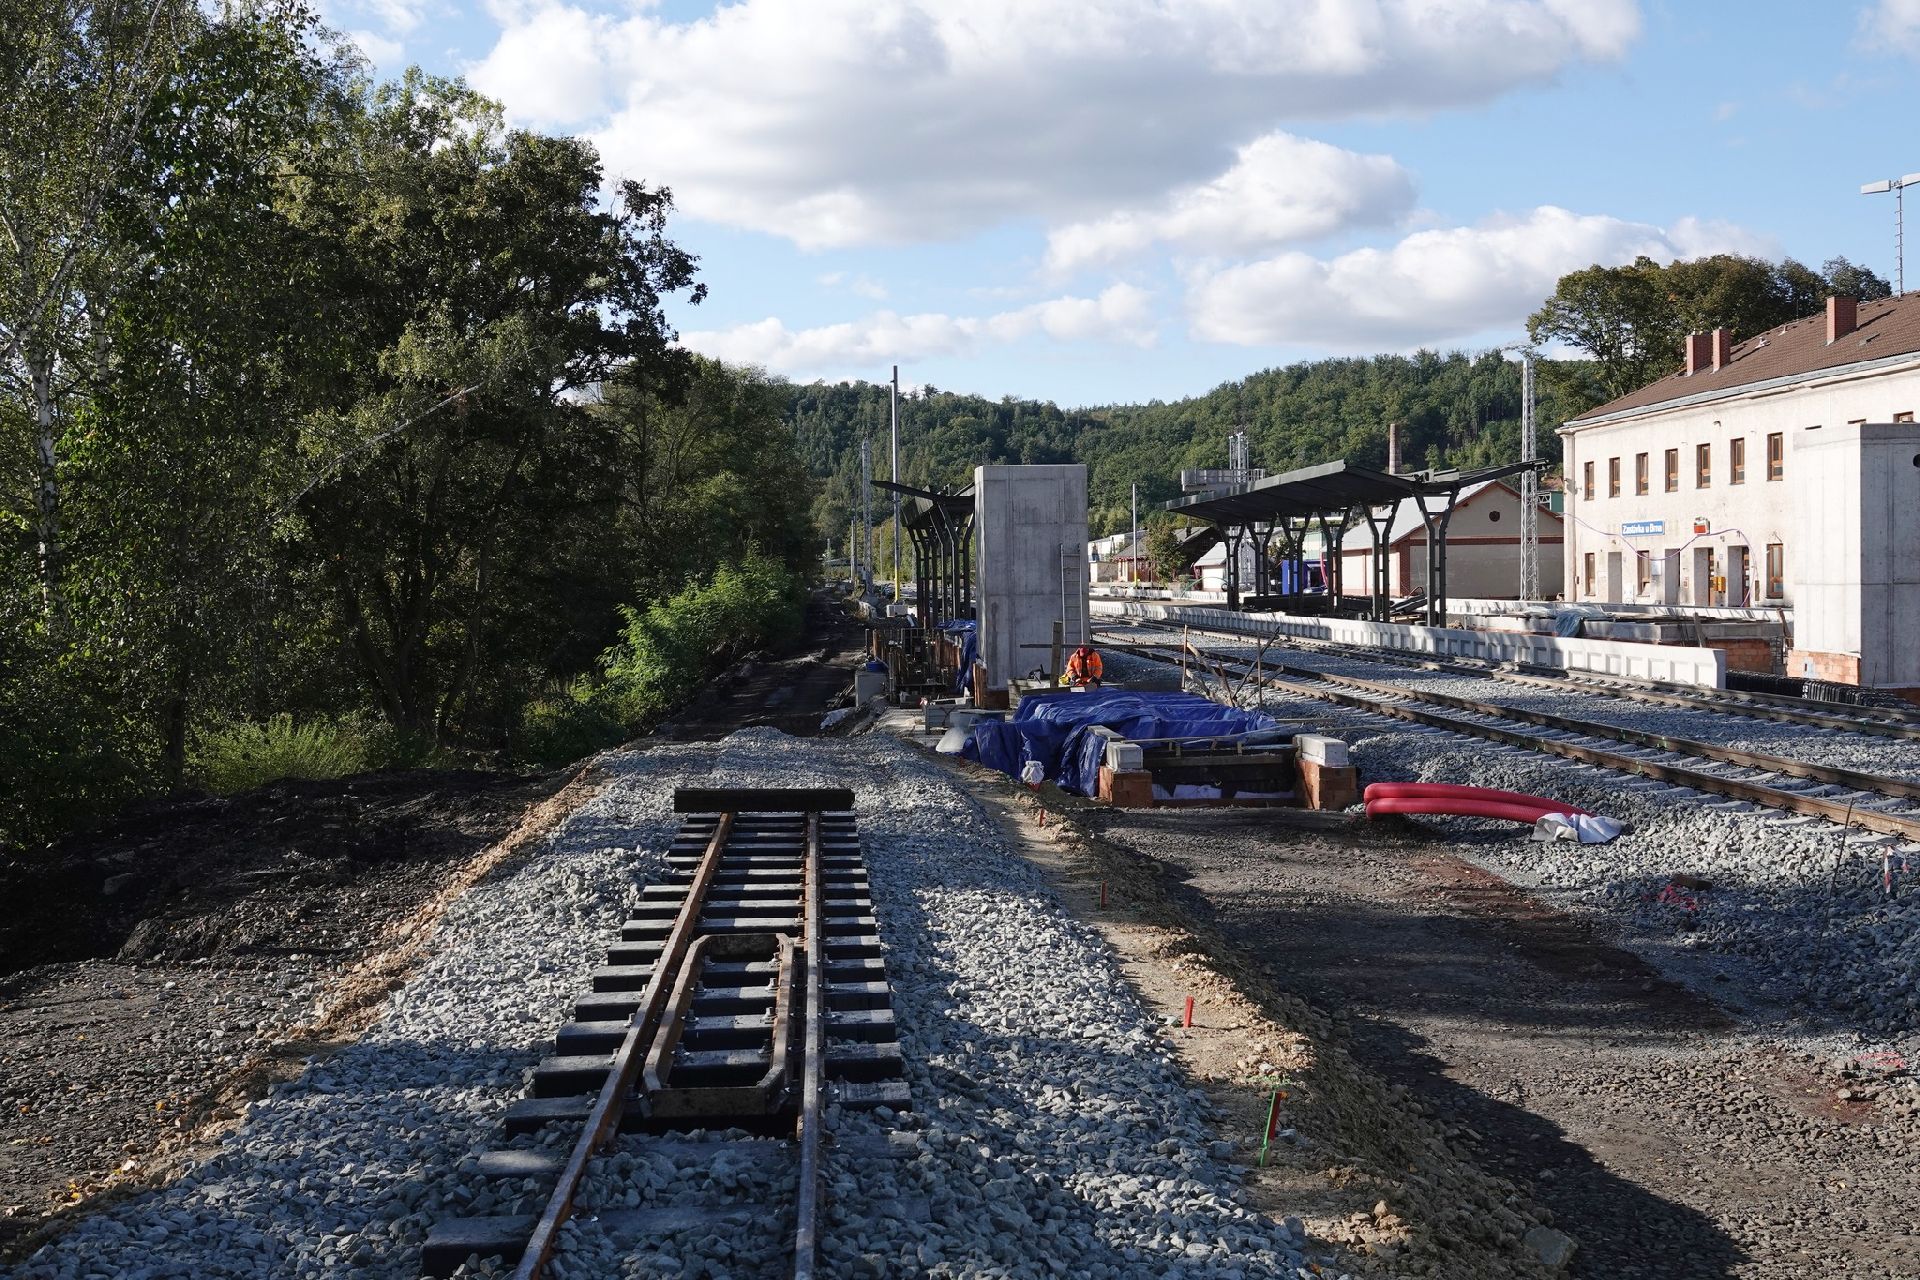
(1753, 792)
(611, 1104)
(806, 1205)
(1879, 722)
(1853, 778)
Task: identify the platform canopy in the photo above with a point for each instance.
(940, 526)
(1330, 489)
(1331, 496)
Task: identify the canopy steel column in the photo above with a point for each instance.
(1262, 566)
(1330, 558)
(1436, 523)
(1234, 535)
(1382, 579)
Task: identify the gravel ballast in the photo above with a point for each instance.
(1052, 1133)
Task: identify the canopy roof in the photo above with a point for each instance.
(921, 504)
(1330, 489)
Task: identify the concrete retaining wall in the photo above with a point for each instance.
(1674, 664)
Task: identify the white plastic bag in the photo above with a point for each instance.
(1585, 828)
(1032, 774)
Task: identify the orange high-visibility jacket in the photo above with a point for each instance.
(1085, 665)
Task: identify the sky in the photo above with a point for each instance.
(1102, 201)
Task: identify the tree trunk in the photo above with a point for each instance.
(47, 488)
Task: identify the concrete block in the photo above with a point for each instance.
(1321, 749)
(868, 685)
(1126, 789)
(1675, 664)
(1124, 756)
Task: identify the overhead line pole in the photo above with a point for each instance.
(1529, 487)
(894, 404)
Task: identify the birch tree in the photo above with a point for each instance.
(78, 79)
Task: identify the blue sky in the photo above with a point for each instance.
(1117, 200)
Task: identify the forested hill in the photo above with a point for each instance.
(1455, 410)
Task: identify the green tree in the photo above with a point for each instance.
(1162, 538)
(479, 291)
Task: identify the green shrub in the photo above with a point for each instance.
(577, 721)
(668, 651)
(246, 754)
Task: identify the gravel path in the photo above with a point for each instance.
(1052, 1133)
(1797, 924)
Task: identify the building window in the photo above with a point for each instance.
(1586, 482)
(1589, 566)
(1776, 455)
(1702, 466)
(1776, 570)
(1613, 477)
(1640, 473)
(1673, 470)
(1737, 460)
(1643, 566)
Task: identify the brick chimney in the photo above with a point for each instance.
(1393, 448)
(1699, 349)
(1722, 343)
(1843, 317)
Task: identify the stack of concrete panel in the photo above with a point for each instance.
(1030, 538)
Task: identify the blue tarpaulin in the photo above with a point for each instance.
(969, 632)
(1056, 730)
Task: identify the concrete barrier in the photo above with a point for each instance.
(1674, 664)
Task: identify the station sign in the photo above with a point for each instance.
(1643, 528)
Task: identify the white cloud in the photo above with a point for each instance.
(1121, 313)
(860, 285)
(1433, 286)
(839, 122)
(380, 51)
(1281, 188)
(1891, 25)
(549, 68)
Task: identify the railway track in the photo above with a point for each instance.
(1863, 800)
(747, 992)
(1886, 722)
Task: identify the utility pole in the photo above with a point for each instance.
(1529, 487)
(1134, 574)
(866, 507)
(894, 402)
(1898, 186)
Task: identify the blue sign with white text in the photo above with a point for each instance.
(1643, 528)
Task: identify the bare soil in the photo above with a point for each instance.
(1668, 1140)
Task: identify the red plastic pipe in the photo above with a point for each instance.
(1462, 806)
(1384, 790)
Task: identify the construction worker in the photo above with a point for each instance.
(1085, 667)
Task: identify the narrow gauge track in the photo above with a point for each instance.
(1885, 722)
(748, 991)
(1676, 761)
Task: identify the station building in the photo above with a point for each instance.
(1778, 473)
(1484, 537)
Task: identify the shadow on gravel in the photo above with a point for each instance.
(1520, 989)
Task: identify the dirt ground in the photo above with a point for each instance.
(161, 971)
(1650, 1127)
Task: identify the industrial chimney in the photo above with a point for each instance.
(1393, 448)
